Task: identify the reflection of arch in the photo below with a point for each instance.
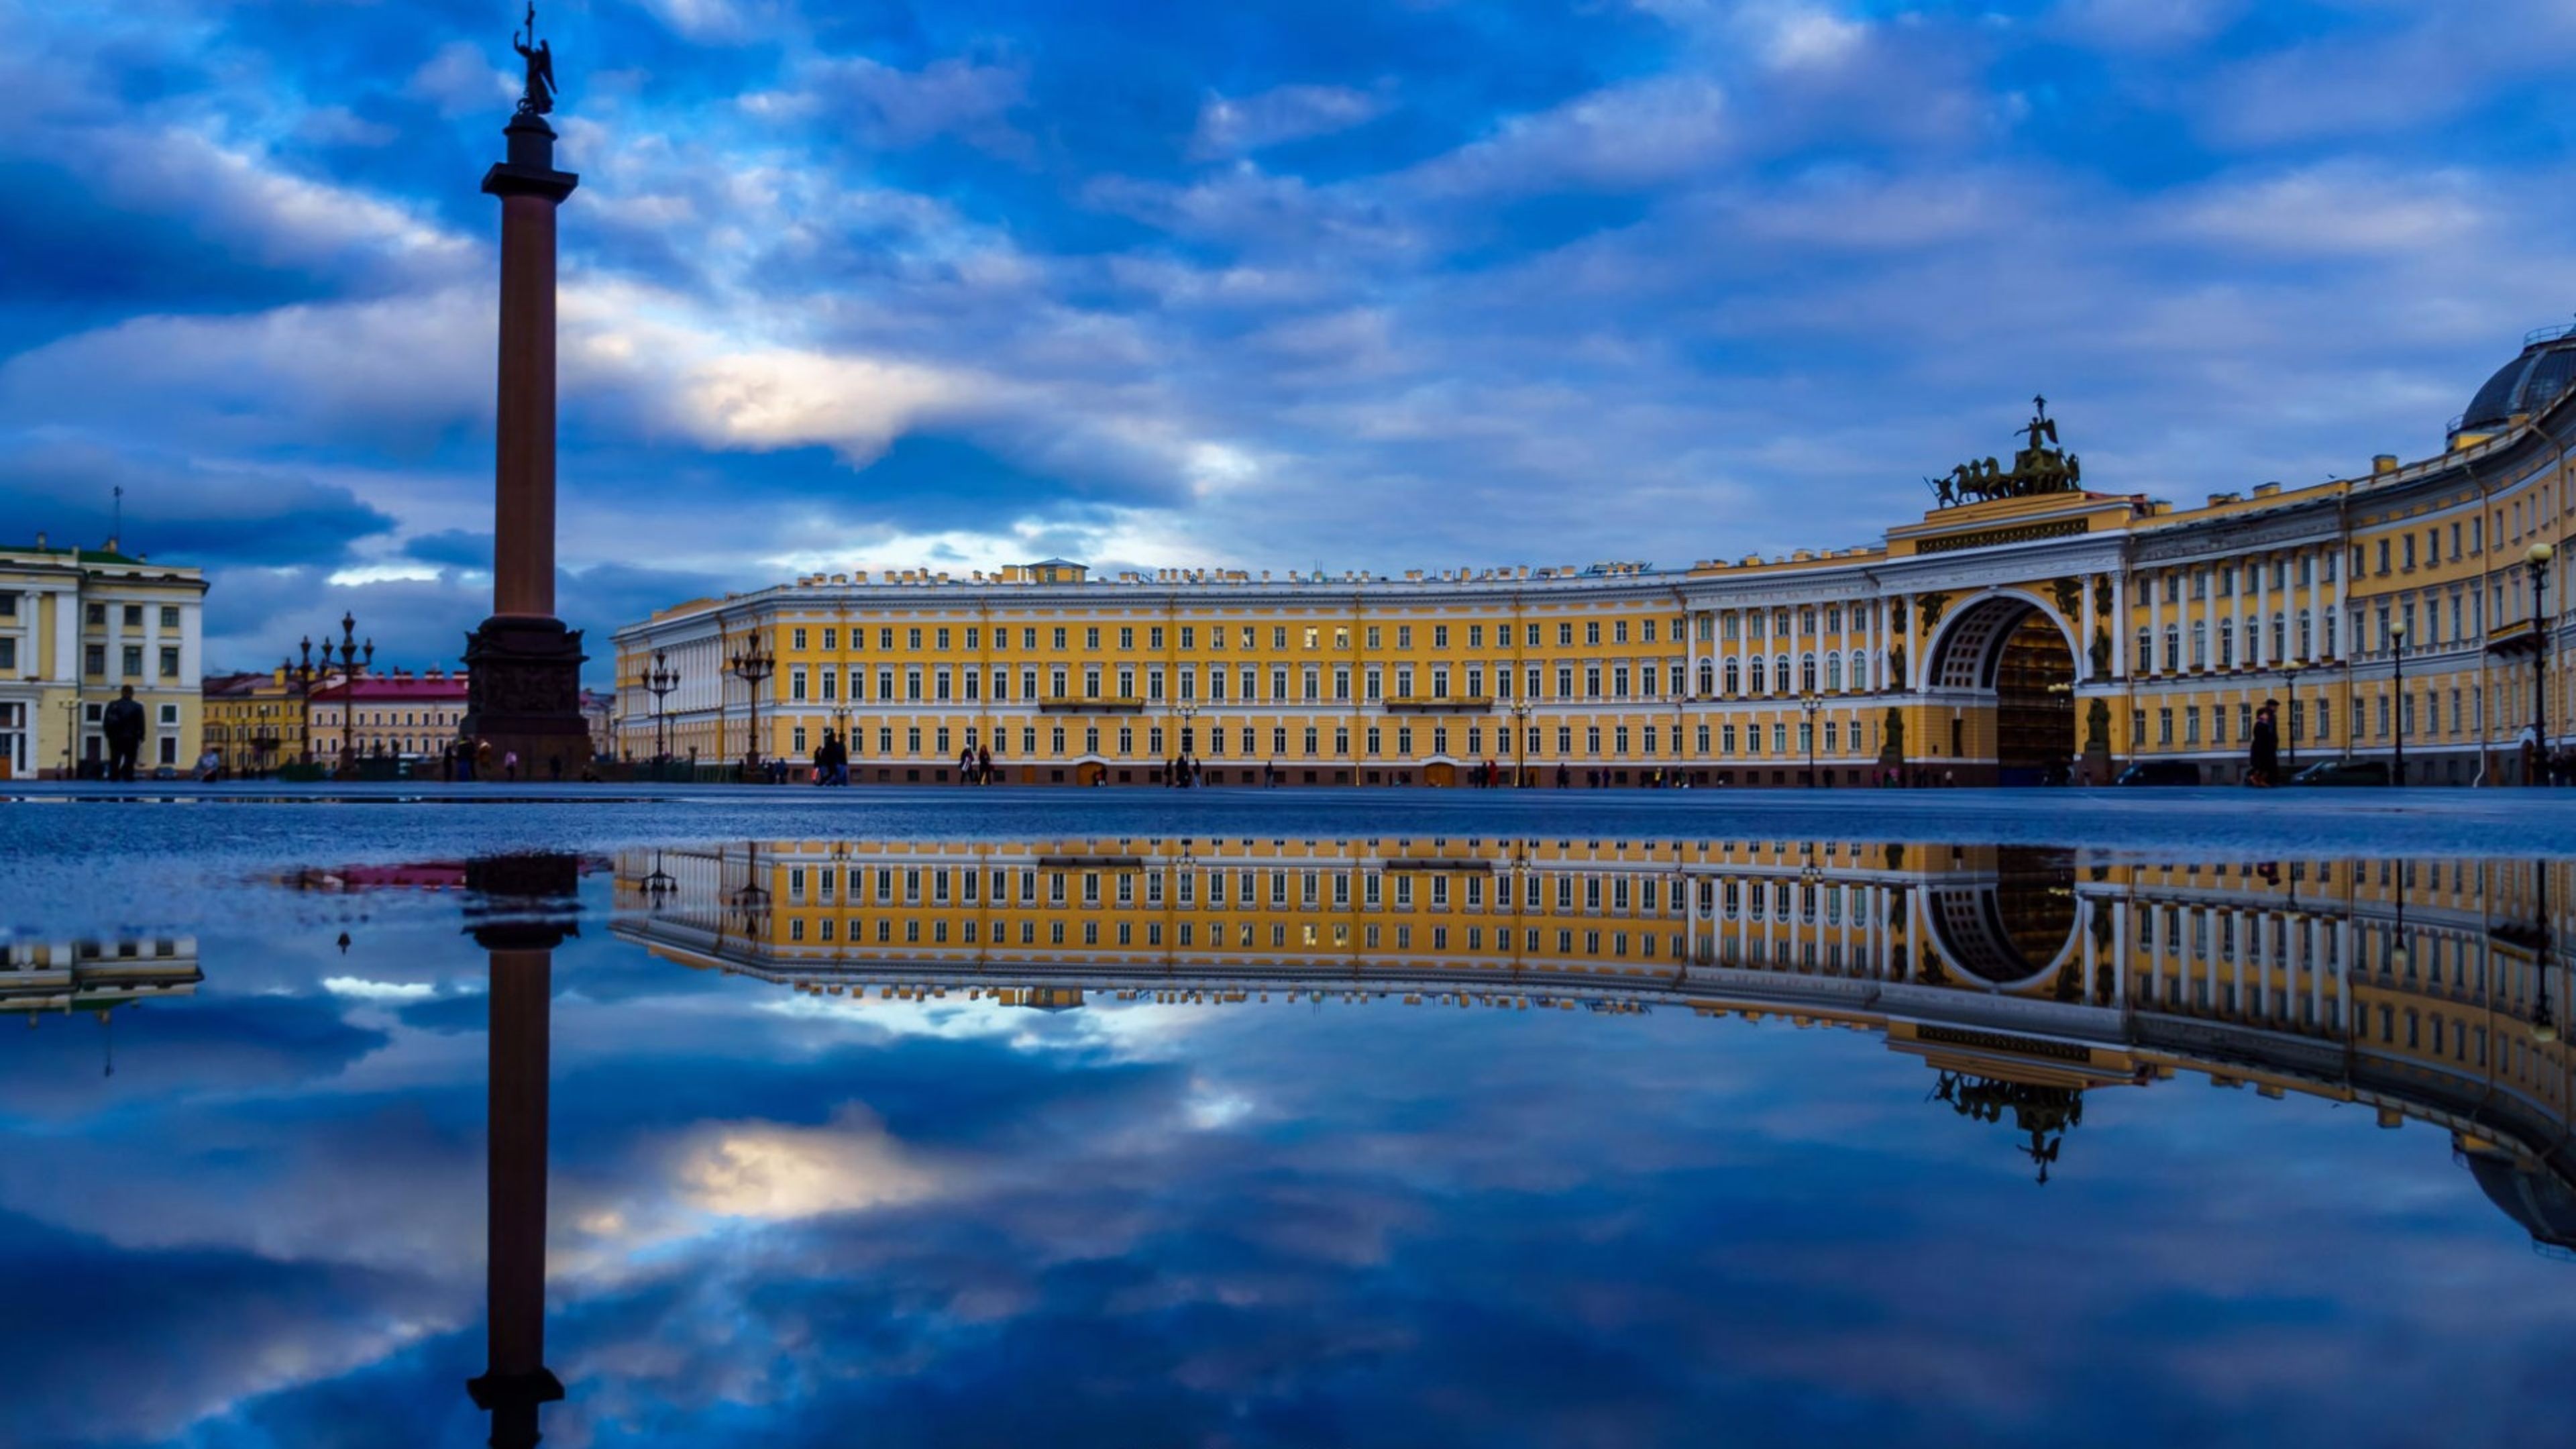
(2016, 929)
(1969, 646)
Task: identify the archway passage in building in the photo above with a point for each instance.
(2009, 647)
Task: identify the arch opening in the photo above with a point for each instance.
(2014, 650)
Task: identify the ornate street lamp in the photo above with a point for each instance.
(2538, 559)
(1520, 712)
(660, 681)
(753, 665)
(2397, 708)
(2289, 736)
(351, 661)
(1188, 711)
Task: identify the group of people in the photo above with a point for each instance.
(465, 761)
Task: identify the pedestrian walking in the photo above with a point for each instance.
(122, 723)
(2263, 762)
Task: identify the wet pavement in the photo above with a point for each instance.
(1285, 1118)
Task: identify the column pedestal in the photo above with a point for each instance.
(523, 692)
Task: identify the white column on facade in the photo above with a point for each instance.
(2120, 622)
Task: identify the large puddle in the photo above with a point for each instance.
(1283, 1140)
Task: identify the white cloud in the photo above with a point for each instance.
(2335, 209)
(1630, 135)
(1237, 125)
(898, 107)
(461, 80)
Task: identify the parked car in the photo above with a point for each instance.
(2160, 772)
(2343, 772)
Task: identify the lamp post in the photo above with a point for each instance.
(2397, 709)
(351, 660)
(303, 673)
(1809, 702)
(1188, 710)
(1520, 712)
(752, 664)
(2291, 723)
(2538, 558)
(659, 681)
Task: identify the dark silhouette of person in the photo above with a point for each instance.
(2263, 767)
(122, 723)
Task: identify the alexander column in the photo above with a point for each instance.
(524, 683)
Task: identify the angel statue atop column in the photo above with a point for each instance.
(539, 96)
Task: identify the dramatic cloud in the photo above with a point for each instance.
(1341, 283)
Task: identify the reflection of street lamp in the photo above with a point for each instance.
(753, 665)
(2397, 677)
(2538, 559)
(658, 886)
(659, 681)
(1810, 702)
(1520, 713)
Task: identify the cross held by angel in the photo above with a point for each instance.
(538, 96)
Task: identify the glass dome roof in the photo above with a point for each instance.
(2527, 384)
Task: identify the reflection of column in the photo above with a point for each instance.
(515, 1273)
(520, 1006)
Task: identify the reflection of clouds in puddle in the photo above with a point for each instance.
(359, 988)
(773, 1172)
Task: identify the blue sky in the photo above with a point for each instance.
(1270, 284)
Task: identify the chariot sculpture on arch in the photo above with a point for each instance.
(2038, 469)
(537, 97)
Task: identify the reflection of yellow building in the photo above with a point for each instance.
(254, 722)
(59, 977)
(76, 627)
(2025, 976)
(2007, 639)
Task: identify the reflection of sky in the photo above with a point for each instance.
(785, 1220)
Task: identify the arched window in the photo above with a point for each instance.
(1834, 672)
(1757, 673)
(1707, 678)
(1780, 672)
(1807, 673)
(1734, 678)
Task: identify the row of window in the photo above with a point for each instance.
(2227, 580)
(1248, 636)
(2199, 635)
(1830, 737)
(1827, 673)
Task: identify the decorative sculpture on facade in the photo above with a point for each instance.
(2037, 470)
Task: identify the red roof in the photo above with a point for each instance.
(400, 688)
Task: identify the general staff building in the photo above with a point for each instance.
(2030, 627)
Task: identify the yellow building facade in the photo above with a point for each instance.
(254, 722)
(77, 625)
(2032, 628)
(2426, 990)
